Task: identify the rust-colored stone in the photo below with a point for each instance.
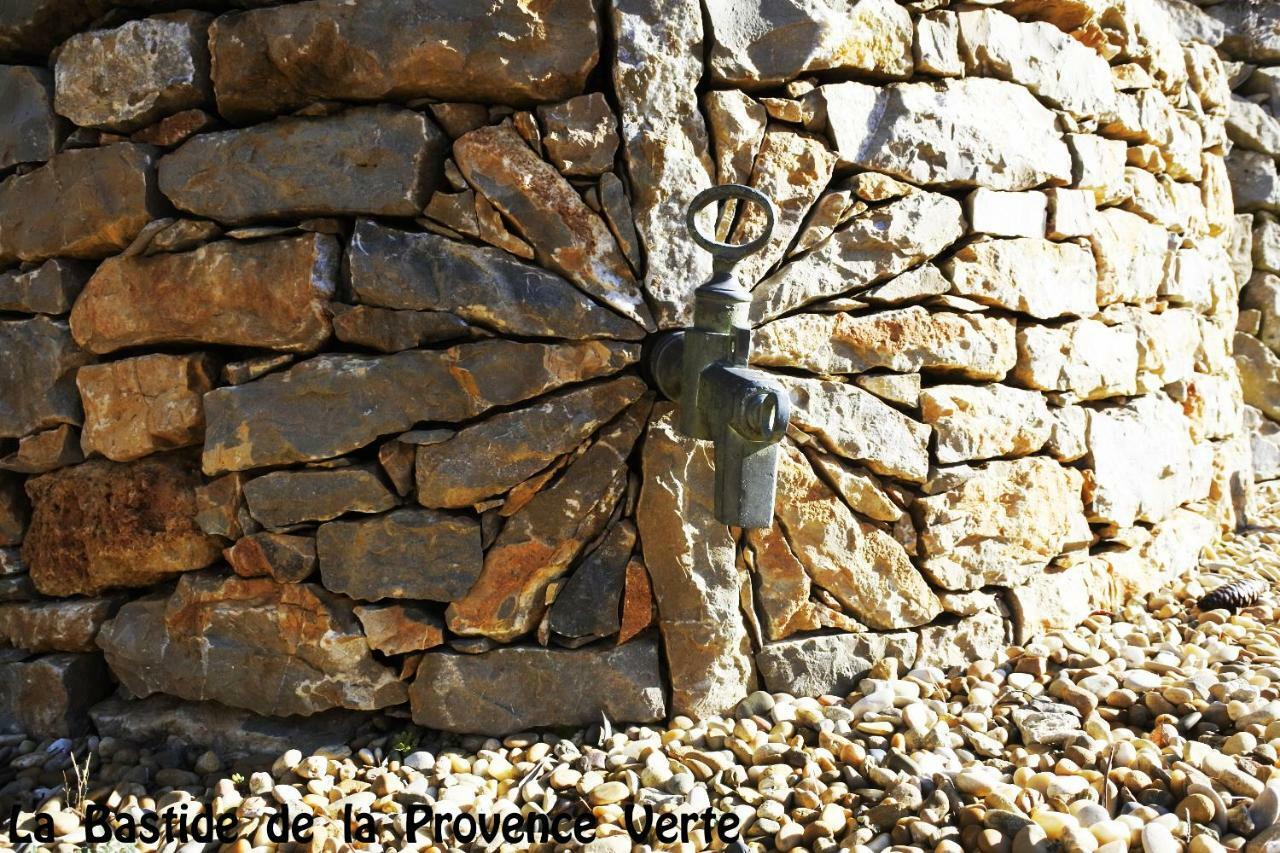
(108, 524)
(274, 60)
(15, 511)
(279, 556)
(175, 129)
(457, 118)
(269, 294)
(782, 585)
(56, 626)
(396, 459)
(221, 508)
(540, 542)
(85, 203)
(44, 451)
(637, 601)
(137, 406)
(396, 629)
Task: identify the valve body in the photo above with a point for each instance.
(744, 412)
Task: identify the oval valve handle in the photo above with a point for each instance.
(730, 253)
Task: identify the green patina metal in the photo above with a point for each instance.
(704, 369)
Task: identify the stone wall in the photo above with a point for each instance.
(320, 355)
(1247, 36)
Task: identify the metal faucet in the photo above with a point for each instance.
(704, 370)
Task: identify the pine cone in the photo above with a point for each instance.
(1234, 595)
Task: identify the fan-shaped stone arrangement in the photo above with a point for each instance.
(321, 388)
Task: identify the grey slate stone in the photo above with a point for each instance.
(517, 687)
(284, 498)
(588, 605)
(30, 131)
(49, 696)
(214, 726)
(485, 286)
(829, 664)
(50, 288)
(37, 376)
(407, 553)
(332, 404)
(377, 160)
(29, 29)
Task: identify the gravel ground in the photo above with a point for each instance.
(1155, 729)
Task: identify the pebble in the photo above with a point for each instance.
(1265, 810)
(607, 793)
(1139, 680)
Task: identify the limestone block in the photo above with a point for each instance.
(1003, 523)
(125, 78)
(897, 129)
(1005, 214)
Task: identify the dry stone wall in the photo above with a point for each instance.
(322, 324)
(1247, 37)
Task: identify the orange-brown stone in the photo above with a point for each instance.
(105, 524)
(396, 629)
(567, 236)
(637, 601)
(280, 556)
(270, 294)
(137, 406)
(84, 203)
(541, 542)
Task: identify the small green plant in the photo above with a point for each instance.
(237, 778)
(406, 741)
